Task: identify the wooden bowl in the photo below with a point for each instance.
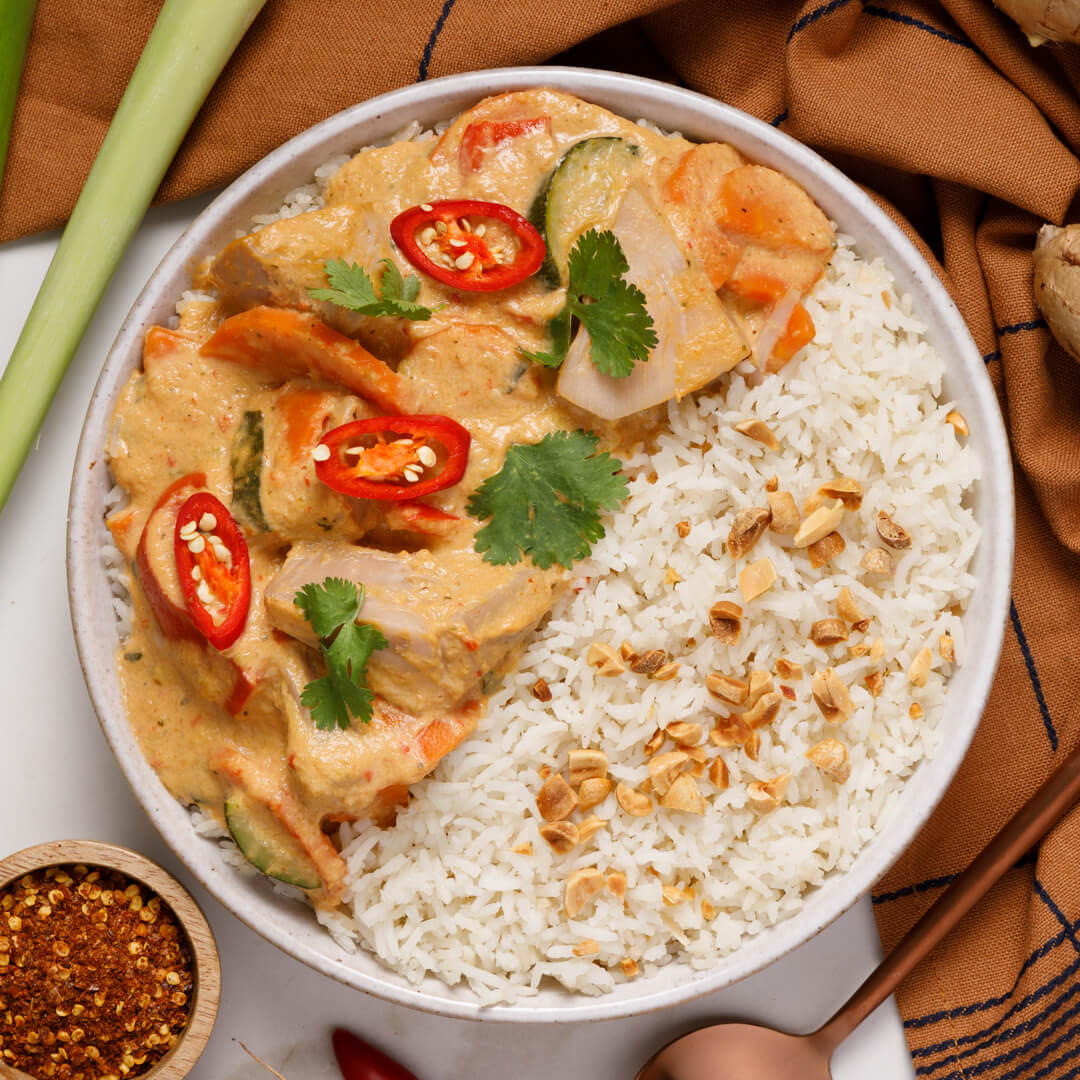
(206, 976)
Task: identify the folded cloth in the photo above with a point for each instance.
(967, 136)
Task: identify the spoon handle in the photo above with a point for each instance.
(1027, 826)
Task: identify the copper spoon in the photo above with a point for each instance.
(732, 1051)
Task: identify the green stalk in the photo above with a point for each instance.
(16, 17)
(189, 45)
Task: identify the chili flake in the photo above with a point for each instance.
(95, 975)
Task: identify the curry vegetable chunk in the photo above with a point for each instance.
(268, 396)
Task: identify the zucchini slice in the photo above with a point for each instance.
(246, 462)
(582, 193)
(266, 845)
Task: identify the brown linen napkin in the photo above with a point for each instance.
(968, 137)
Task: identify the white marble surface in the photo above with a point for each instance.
(59, 781)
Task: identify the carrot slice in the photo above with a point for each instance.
(798, 332)
(304, 412)
(282, 344)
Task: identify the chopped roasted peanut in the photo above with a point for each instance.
(846, 607)
(587, 947)
(556, 800)
(581, 887)
(541, 691)
(666, 672)
(875, 683)
(831, 757)
(877, 650)
(787, 691)
(787, 670)
(772, 483)
(844, 488)
(947, 648)
(649, 663)
(672, 577)
(896, 536)
(543, 772)
(593, 792)
(958, 422)
(605, 659)
(664, 768)
(812, 502)
(695, 753)
(656, 740)
(684, 795)
(747, 529)
(523, 849)
(920, 667)
(916, 711)
(759, 431)
(672, 895)
(832, 695)
(685, 732)
(825, 550)
(589, 826)
(727, 688)
(725, 621)
(765, 795)
(626, 651)
(757, 578)
(826, 632)
(760, 683)
(752, 745)
(707, 910)
(629, 967)
(877, 561)
(718, 773)
(765, 711)
(586, 765)
(616, 883)
(860, 627)
(730, 731)
(683, 529)
(635, 803)
(696, 769)
(785, 513)
(562, 836)
(859, 650)
(820, 523)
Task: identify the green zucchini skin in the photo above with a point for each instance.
(589, 170)
(266, 845)
(246, 463)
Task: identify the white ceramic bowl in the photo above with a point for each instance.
(291, 926)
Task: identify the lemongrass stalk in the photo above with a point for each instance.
(16, 17)
(189, 45)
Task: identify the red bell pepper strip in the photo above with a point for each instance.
(174, 620)
(473, 250)
(219, 595)
(393, 458)
(359, 1060)
(484, 135)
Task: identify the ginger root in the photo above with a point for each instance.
(1056, 261)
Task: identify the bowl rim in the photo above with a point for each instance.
(994, 555)
(206, 992)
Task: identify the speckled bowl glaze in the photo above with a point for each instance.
(291, 926)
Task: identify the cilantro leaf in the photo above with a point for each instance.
(342, 694)
(352, 288)
(545, 500)
(610, 308)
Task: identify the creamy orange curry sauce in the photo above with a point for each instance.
(241, 392)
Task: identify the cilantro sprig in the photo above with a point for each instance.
(342, 694)
(545, 500)
(352, 288)
(610, 308)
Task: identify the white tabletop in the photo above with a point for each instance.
(60, 781)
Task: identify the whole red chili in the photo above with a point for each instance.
(463, 243)
(359, 1060)
(214, 568)
(393, 458)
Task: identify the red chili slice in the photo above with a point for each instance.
(218, 597)
(393, 458)
(440, 254)
(359, 1060)
(485, 135)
